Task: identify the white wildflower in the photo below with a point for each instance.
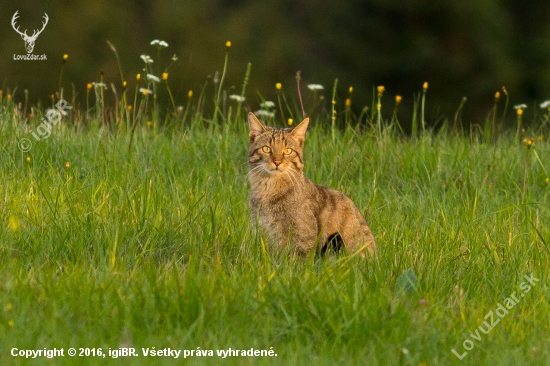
(175, 57)
(315, 87)
(267, 104)
(545, 104)
(147, 59)
(264, 113)
(153, 78)
(159, 43)
(520, 106)
(145, 91)
(238, 98)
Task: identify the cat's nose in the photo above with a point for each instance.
(277, 162)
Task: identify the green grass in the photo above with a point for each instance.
(153, 248)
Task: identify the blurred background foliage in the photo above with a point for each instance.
(462, 48)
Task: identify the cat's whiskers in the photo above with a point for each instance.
(290, 178)
(254, 170)
(290, 172)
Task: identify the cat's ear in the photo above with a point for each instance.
(300, 131)
(256, 127)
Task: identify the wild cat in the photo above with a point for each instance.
(296, 214)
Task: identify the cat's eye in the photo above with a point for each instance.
(287, 151)
(266, 149)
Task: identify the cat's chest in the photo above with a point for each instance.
(274, 200)
(276, 212)
(275, 191)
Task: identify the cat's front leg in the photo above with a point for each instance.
(305, 236)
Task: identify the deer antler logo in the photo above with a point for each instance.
(29, 40)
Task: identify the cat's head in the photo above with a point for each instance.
(275, 150)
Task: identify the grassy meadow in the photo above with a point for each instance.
(134, 232)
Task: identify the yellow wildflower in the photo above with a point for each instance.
(164, 76)
(529, 142)
(228, 45)
(278, 86)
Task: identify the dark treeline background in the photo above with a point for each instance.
(462, 48)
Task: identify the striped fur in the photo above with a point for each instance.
(296, 214)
